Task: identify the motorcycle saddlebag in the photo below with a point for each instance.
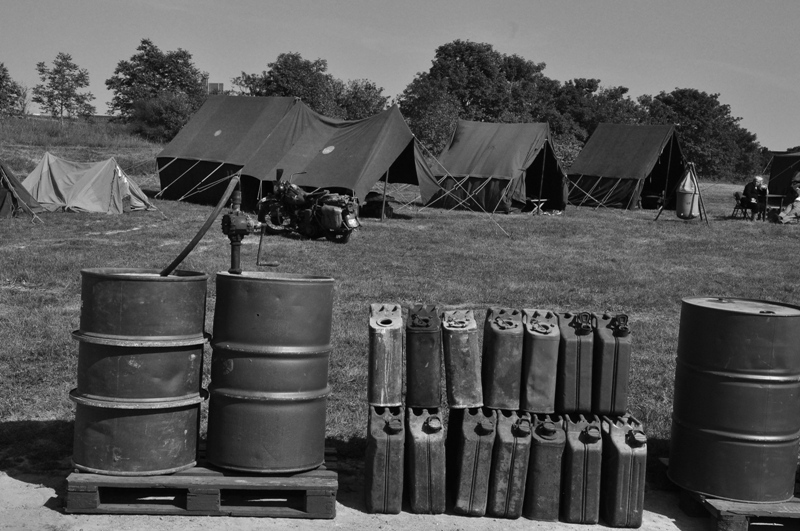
(331, 217)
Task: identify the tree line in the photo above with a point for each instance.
(156, 92)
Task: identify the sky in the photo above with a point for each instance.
(744, 50)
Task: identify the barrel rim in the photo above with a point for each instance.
(107, 472)
(693, 302)
(145, 274)
(133, 403)
(255, 276)
(139, 341)
(679, 481)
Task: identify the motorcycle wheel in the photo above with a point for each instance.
(338, 237)
(275, 221)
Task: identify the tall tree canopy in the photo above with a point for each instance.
(59, 93)
(150, 74)
(291, 75)
(710, 135)
(12, 94)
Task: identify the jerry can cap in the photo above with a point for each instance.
(484, 427)
(592, 433)
(637, 438)
(541, 328)
(523, 427)
(433, 424)
(583, 323)
(394, 425)
(547, 429)
(456, 323)
(504, 323)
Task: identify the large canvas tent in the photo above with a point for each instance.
(14, 198)
(498, 167)
(627, 166)
(784, 169)
(59, 184)
(258, 136)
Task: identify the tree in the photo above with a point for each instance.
(11, 93)
(472, 81)
(710, 136)
(59, 91)
(160, 118)
(291, 75)
(151, 74)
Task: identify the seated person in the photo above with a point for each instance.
(754, 197)
(792, 211)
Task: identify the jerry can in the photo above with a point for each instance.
(423, 357)
(425, 461)
(580, 482)
(512, 447)
(623, 471)
(543, 485)
(541, 338)
(502, 358)
(383, 468)
(611, 364)
(575, 356)
(473, 431)
(462, 359)
(385, 387)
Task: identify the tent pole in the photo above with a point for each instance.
(669, 165)
(383, 206)
(541, 180)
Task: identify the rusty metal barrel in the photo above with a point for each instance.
(736, 411)
(140, 358)
(269, 371)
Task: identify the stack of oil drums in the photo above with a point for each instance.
(140, 368)
(537, 423)
(140, 358)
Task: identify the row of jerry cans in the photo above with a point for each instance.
(532, 360)
(507, 464)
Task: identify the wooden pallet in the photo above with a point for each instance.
(205, 490)
(736, 516)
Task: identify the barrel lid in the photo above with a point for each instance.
(270, 275)
(744, 306)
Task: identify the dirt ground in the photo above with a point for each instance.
(34, 502)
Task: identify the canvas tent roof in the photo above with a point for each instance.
(499, 166)
(623, 163)
(260, 135)
(784, 168)
(59, 184)
(14, 198)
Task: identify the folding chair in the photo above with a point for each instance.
(738, 209)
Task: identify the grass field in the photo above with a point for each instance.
(585, 260)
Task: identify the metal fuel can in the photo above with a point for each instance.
(510, 455)
(474, 432)
(580, 483)
(543, 486)
(502, 358)
(575, 360)
(539, 360)
(385, 377)
(383, 471)
(623, 471)
(611, 364)
(462, 359)
(423, 357)
(425, 461)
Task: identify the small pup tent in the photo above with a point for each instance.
(14, 198)
(498, 167)
(258, 135)
(626, 166)
(59, 184)
(784, 169)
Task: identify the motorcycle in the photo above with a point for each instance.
(313, 215)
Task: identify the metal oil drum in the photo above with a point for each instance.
(736, 411)
(385, 376)
(269, 371)
(140, 354)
